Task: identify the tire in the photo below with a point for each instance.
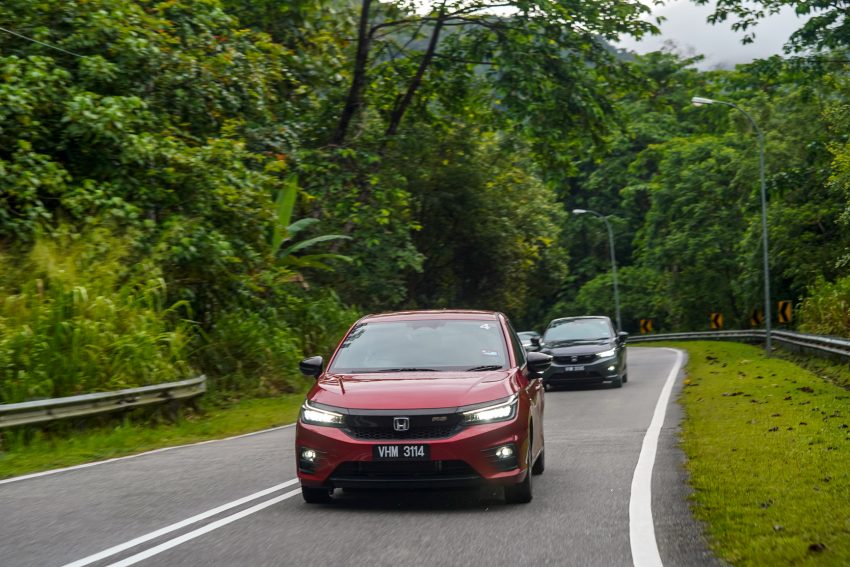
(315, 495)
(521, 493)
(540, 464)
(625, 378)
(618, 382)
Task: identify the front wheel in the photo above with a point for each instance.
(521, 493)
(540, 464)
(315, 495)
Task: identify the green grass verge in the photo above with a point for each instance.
(127, 438)
(768, 449)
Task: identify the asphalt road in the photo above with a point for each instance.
(233, 502)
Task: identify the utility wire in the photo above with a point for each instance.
(41, 43)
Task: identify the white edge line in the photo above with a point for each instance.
(168, 529)
(641, 528)
(133, 559)
(115, 459)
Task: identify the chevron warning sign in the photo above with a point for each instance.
(756, 318)
(784, 312)
(716, 321)
(645, 326)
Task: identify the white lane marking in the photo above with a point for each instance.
(162, 450)
(641, 529)
(133, 559)
(182, 524)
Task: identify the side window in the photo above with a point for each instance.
(516, 344)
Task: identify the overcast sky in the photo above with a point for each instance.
(686, 26)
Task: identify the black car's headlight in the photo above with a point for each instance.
(502, 411)
(606, 353)
(316, 416)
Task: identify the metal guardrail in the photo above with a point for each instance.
(40, 411)
(816, 344)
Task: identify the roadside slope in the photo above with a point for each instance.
(768, 445)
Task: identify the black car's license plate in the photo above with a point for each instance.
(408, 452)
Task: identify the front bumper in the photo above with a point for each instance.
(597, 372)
(459, 461)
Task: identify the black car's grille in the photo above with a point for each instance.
(576, 359)
(381, 427)
(377, 470)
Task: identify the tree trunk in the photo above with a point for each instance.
(354, 100)
(404, 103)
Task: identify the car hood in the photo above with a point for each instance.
(413, 390)
(566, 349)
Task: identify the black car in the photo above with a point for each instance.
(530, 340)
(585, 350)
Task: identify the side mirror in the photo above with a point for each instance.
(538, 363)
(535, 342)
(622, 336)
(312, 366)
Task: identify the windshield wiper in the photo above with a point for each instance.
(484, 368)
(406, 370)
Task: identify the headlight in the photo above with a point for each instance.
(316, 416)
(490, 414)
(606, 353)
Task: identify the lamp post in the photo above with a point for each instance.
(699, 101)
(613, 260)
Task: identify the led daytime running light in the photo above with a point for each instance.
(490, 414)
(606, 353)
(316, 416)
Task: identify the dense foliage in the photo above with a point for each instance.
(220, 186)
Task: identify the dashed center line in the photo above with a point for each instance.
(132, 560)
(187, 522)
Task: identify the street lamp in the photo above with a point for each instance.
(699, 101)
(613, 260)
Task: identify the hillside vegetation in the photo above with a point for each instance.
(223, 186)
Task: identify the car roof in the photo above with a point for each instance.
(561, 319)
(468, 314)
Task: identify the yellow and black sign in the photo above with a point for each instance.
(716, 321)
(784, 311)
(756, 318)
(645, 326)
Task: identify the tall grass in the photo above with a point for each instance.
(78, 315)
(827, 309)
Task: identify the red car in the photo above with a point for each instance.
(423, 399)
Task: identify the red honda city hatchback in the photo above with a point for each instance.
(423, 399)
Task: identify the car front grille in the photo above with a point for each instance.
(576, 359)
(381, 427)
(424, 470)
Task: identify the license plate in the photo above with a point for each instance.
(416, 452)
(573, 368)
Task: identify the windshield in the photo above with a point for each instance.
(578, 330)
(434, 344)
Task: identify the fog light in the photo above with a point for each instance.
(308, 455)
(612, 368)
(505, 452)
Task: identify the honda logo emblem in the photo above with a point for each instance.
(401, 423)
(574, 359)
